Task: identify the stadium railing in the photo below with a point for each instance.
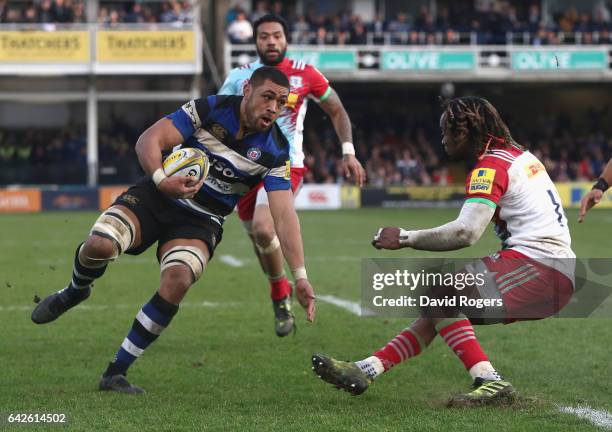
(399, 38)
(444, 62)
(563, 38)
(454, 37)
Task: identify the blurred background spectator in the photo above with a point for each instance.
(395, 150)
(240, 30)
(449, 22)
(110, 13)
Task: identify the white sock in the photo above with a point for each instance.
(372, 366)
(485, 370)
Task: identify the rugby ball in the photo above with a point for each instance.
(188, 162)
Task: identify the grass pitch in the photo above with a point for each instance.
(219, 365)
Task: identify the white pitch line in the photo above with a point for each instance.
(348, 305)
(599, 418)
(231, 261)
(203, 304)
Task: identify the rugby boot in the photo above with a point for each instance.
(284, 320)
(119, 384)
(342, 375)
(485, 392)
(52, 307)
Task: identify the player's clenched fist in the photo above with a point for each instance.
(306, 297)
(388, 238)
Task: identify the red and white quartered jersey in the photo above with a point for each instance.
(528, 216)
(306, 82)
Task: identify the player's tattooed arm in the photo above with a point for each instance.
(593, 197)
(340, 119)
(287, 227)
(162, 136)
(462, 232)
(342, 124)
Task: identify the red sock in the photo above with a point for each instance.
(400, 348)
(280, 288)
(460, 337)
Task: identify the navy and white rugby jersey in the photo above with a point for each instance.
(236, 165)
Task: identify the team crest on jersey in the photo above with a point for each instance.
(295, 82)
(218, 131)
(482, 181)
(253, 153)
(534, 169)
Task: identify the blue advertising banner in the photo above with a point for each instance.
(82, 199)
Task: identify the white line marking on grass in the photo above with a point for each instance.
(351, 306)
(600, 418)
(204, 304)
(231, 261)
(121, 261)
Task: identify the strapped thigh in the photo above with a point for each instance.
(115, 224)
(190, 256)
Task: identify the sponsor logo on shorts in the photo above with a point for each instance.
(130, 199)
(482, 181)
(288, 170)
(253, 153)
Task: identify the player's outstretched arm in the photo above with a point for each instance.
(287, 227)
(594, 195)
(162, 136)
(342, 124)
(462, 232)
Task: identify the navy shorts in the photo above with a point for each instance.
(162, 220)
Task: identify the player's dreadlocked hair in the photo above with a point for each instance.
(478, 120)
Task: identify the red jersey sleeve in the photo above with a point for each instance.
(487, 182)
(319, 86)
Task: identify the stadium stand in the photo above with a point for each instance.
(111, 13)
(451, 23)
(398, 153)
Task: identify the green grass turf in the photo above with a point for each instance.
(222, 368)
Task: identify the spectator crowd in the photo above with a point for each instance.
(451, 22)
(110, 13)
(400, 151)
(52, 156)
(394, 151)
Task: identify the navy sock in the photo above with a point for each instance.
(150, 321)
(82, 277)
